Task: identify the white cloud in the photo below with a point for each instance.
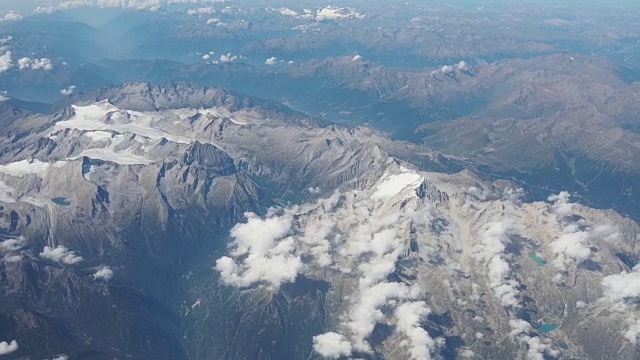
(570, 246)
(228, 57)
(408, 319)
(356, 58)
(60, 254)
(203, 10)
(467, 354)
(61, 357)
(632, 332)
(271, 61)
(331, 345)
(336, 13)
(561, 204)
(455, 68)
(365, 313)
(103, 273)
(288, 12)
(35, 64)
(11, 247)
(12, 258)
(623, 288)
(68, 90)
(322, 14)
(5, 61)
(536, 345)
(13, 244)
(494, 237)
(215, 21)
(11, 15)
(44, 10)
(149, 5)
(361, 238)
(268, 253)
(206, 57)
(8, 348)
(622, 292)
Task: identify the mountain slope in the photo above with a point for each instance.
(200, 223)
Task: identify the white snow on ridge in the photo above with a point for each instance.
(98, 135)
(106, 116)
(27, 167)
(33, 201)
(6, 193)
(123, 157)
(393, 185)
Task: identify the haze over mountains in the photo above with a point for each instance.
(277, 180)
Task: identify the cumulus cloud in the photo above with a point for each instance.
(68, 90)
(573, 245)
(203, 10)
(5, 61)
(228, 57)
(61, 357)
(35, 64)
(216, 21)
(60, 254)
(633, 331)
(623, 289)
(350, 233)
(337, 13)
(537, 347)
(149, 5)
(287, 12)
(12, 258)
(622, 292)
(456, 68)
(8, 347)
(11, 247)
(271, 61)
(367, 311)
(13, 244)
(322, 14)
(11, 15)
(467, 354)
(332, 345)
(356, 58)
(268, 256)
(493, 240)
(408, 319)
(103, 273)
(561, 203)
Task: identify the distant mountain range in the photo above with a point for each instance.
(117, 209)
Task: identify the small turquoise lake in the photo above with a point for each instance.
(61, 201)
(545, 328)
(540, 261)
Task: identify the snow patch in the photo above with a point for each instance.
(395, 184)
(29, 167)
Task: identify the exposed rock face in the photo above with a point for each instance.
(325, 240)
